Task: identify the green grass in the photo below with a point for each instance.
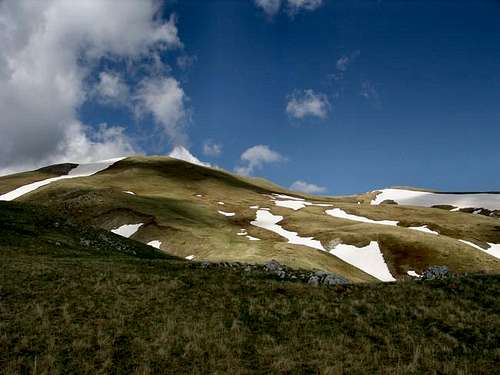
(166, 202)
(121, 307)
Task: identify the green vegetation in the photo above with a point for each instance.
(81, 300)
(178, 204)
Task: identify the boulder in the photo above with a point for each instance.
(436, 272)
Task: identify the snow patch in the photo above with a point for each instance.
(424, 229)
(155, 243)
(266, 220)
(221, 203)
(413, 274)
(253, 238)
(190, 257)
(368, 259)
(127, 230)
(82, 170)
(341, 214)
(129, 192)
(287, 197)
(181, 153)
(254, 207)
(226, 213)
(493, 249)
(428, 199)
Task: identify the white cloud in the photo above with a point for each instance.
(49, 48)
(270, 7)
(343, 64)
(255, 157)
(295, 6)
(165, 99)
(111, 89)
(308, 188)
(210, 148)
(182, 153)
(308, 103)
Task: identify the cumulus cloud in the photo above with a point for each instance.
(49, 49)
(272, 7)
(255, 157)
(307, 188)
(210, 148)
(165, 100)
(307, 103)
(111, 89)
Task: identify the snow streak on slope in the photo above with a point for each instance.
(428, 199)
(127, 230)
(424, 229)
(493, 250)
(82, 170)
(341, 214)
(266, 220)
(368, 259)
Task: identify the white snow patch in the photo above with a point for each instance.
(493, 250)
(428, 199)
(221, 203)
(294, 205)
(182, 153)
(368, 259)
(424, 229)
(341, 214)
(413, 274)
(455, 209)
(82, 170)
(199, 195)
(226, 213)
(288, 197)
(254, 207)
(266, 220)
(242, 232)
(477, 212)
(127, 230)
(129, 192)
(253, 238)
(155, 243)
(190, 257)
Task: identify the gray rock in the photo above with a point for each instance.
(281, 274)
(205, 264)
(436, 272)
(313, 280)
(320, 273)
(332, 279)
(273, 266)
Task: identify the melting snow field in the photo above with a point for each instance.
(226, 213)
(266, 220)
(190, 257)
(341, 214)
(493, 250)
(127, 230)
(428, 199)
(294, 203)
(156, 244)
(82, 170)
(368, 259)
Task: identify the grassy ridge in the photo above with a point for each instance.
(70, 308)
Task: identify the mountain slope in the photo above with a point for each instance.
(81, 300)
(208, 214)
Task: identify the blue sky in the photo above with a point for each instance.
(379, 93)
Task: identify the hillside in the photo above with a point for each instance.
(203, 213)
(76, 299)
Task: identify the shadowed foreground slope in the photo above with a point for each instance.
(67, 307)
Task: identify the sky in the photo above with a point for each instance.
(323, 96)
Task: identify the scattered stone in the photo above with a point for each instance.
(436, 272)
(273, 266)
(332, 279)
(313, 280)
